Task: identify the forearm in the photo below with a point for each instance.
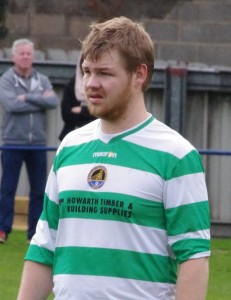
(47, 100)
(36, 282)
(193, 279)
(13, 103)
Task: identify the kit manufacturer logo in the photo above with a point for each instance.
(109, 154)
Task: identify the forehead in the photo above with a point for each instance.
(108, 59)
(24, 48)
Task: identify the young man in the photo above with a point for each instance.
(25, 96)
(126, 200)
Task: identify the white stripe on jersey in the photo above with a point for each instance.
(77, 287)
(97, 233)
(188, 188)
(203, 234)
(119, 179)
(158, 136)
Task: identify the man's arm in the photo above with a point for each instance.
(192, 280)
(36, 282)
(47, 100)
(12, 102)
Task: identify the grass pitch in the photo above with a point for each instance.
(13, 252)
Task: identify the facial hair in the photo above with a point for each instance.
(113, 109)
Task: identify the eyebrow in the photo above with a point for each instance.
(98, 68)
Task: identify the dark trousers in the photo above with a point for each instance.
(36, 166)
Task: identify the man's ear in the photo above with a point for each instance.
(141, 74)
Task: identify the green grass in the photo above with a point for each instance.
(11, 264)
(220, 270)
(12, 254)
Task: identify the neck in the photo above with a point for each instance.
(134, 117)
(23, 72)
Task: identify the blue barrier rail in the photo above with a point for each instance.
(54, 148)
(218, 228)
(22, 147)
(214, 152)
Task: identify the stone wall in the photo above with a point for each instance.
(183, 30)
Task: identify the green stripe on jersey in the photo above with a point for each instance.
(114, 263)
(189, 164)
(113, 207)
(184, 249)
(52, 209)
(84, 153)
(188, 218)
(129, 155)
(40, 255)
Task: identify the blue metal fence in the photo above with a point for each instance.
(54, 148)
(192, 99)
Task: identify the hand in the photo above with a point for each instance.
(48, 93)
(76, 109)
(21, 97)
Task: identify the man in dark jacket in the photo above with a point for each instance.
(25, 95)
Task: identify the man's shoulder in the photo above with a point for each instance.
(81, 135)
(8, 72)
(87, 130)
(158, 136)
(37, 73)
(7, 76)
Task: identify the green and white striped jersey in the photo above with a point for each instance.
(120, 212)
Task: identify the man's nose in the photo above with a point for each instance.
(27, 55)
(92, 81)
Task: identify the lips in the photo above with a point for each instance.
(94, 98)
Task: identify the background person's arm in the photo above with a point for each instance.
(192, 280)
(36, 283)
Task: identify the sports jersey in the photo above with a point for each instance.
(120, 212)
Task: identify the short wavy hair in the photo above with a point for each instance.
(128, 37)
(20, 42)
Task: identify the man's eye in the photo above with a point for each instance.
(105, 74)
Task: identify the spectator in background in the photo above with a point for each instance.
(25, 96)
(74, 108)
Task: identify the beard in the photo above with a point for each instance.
(108, 112)
(113, 107)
